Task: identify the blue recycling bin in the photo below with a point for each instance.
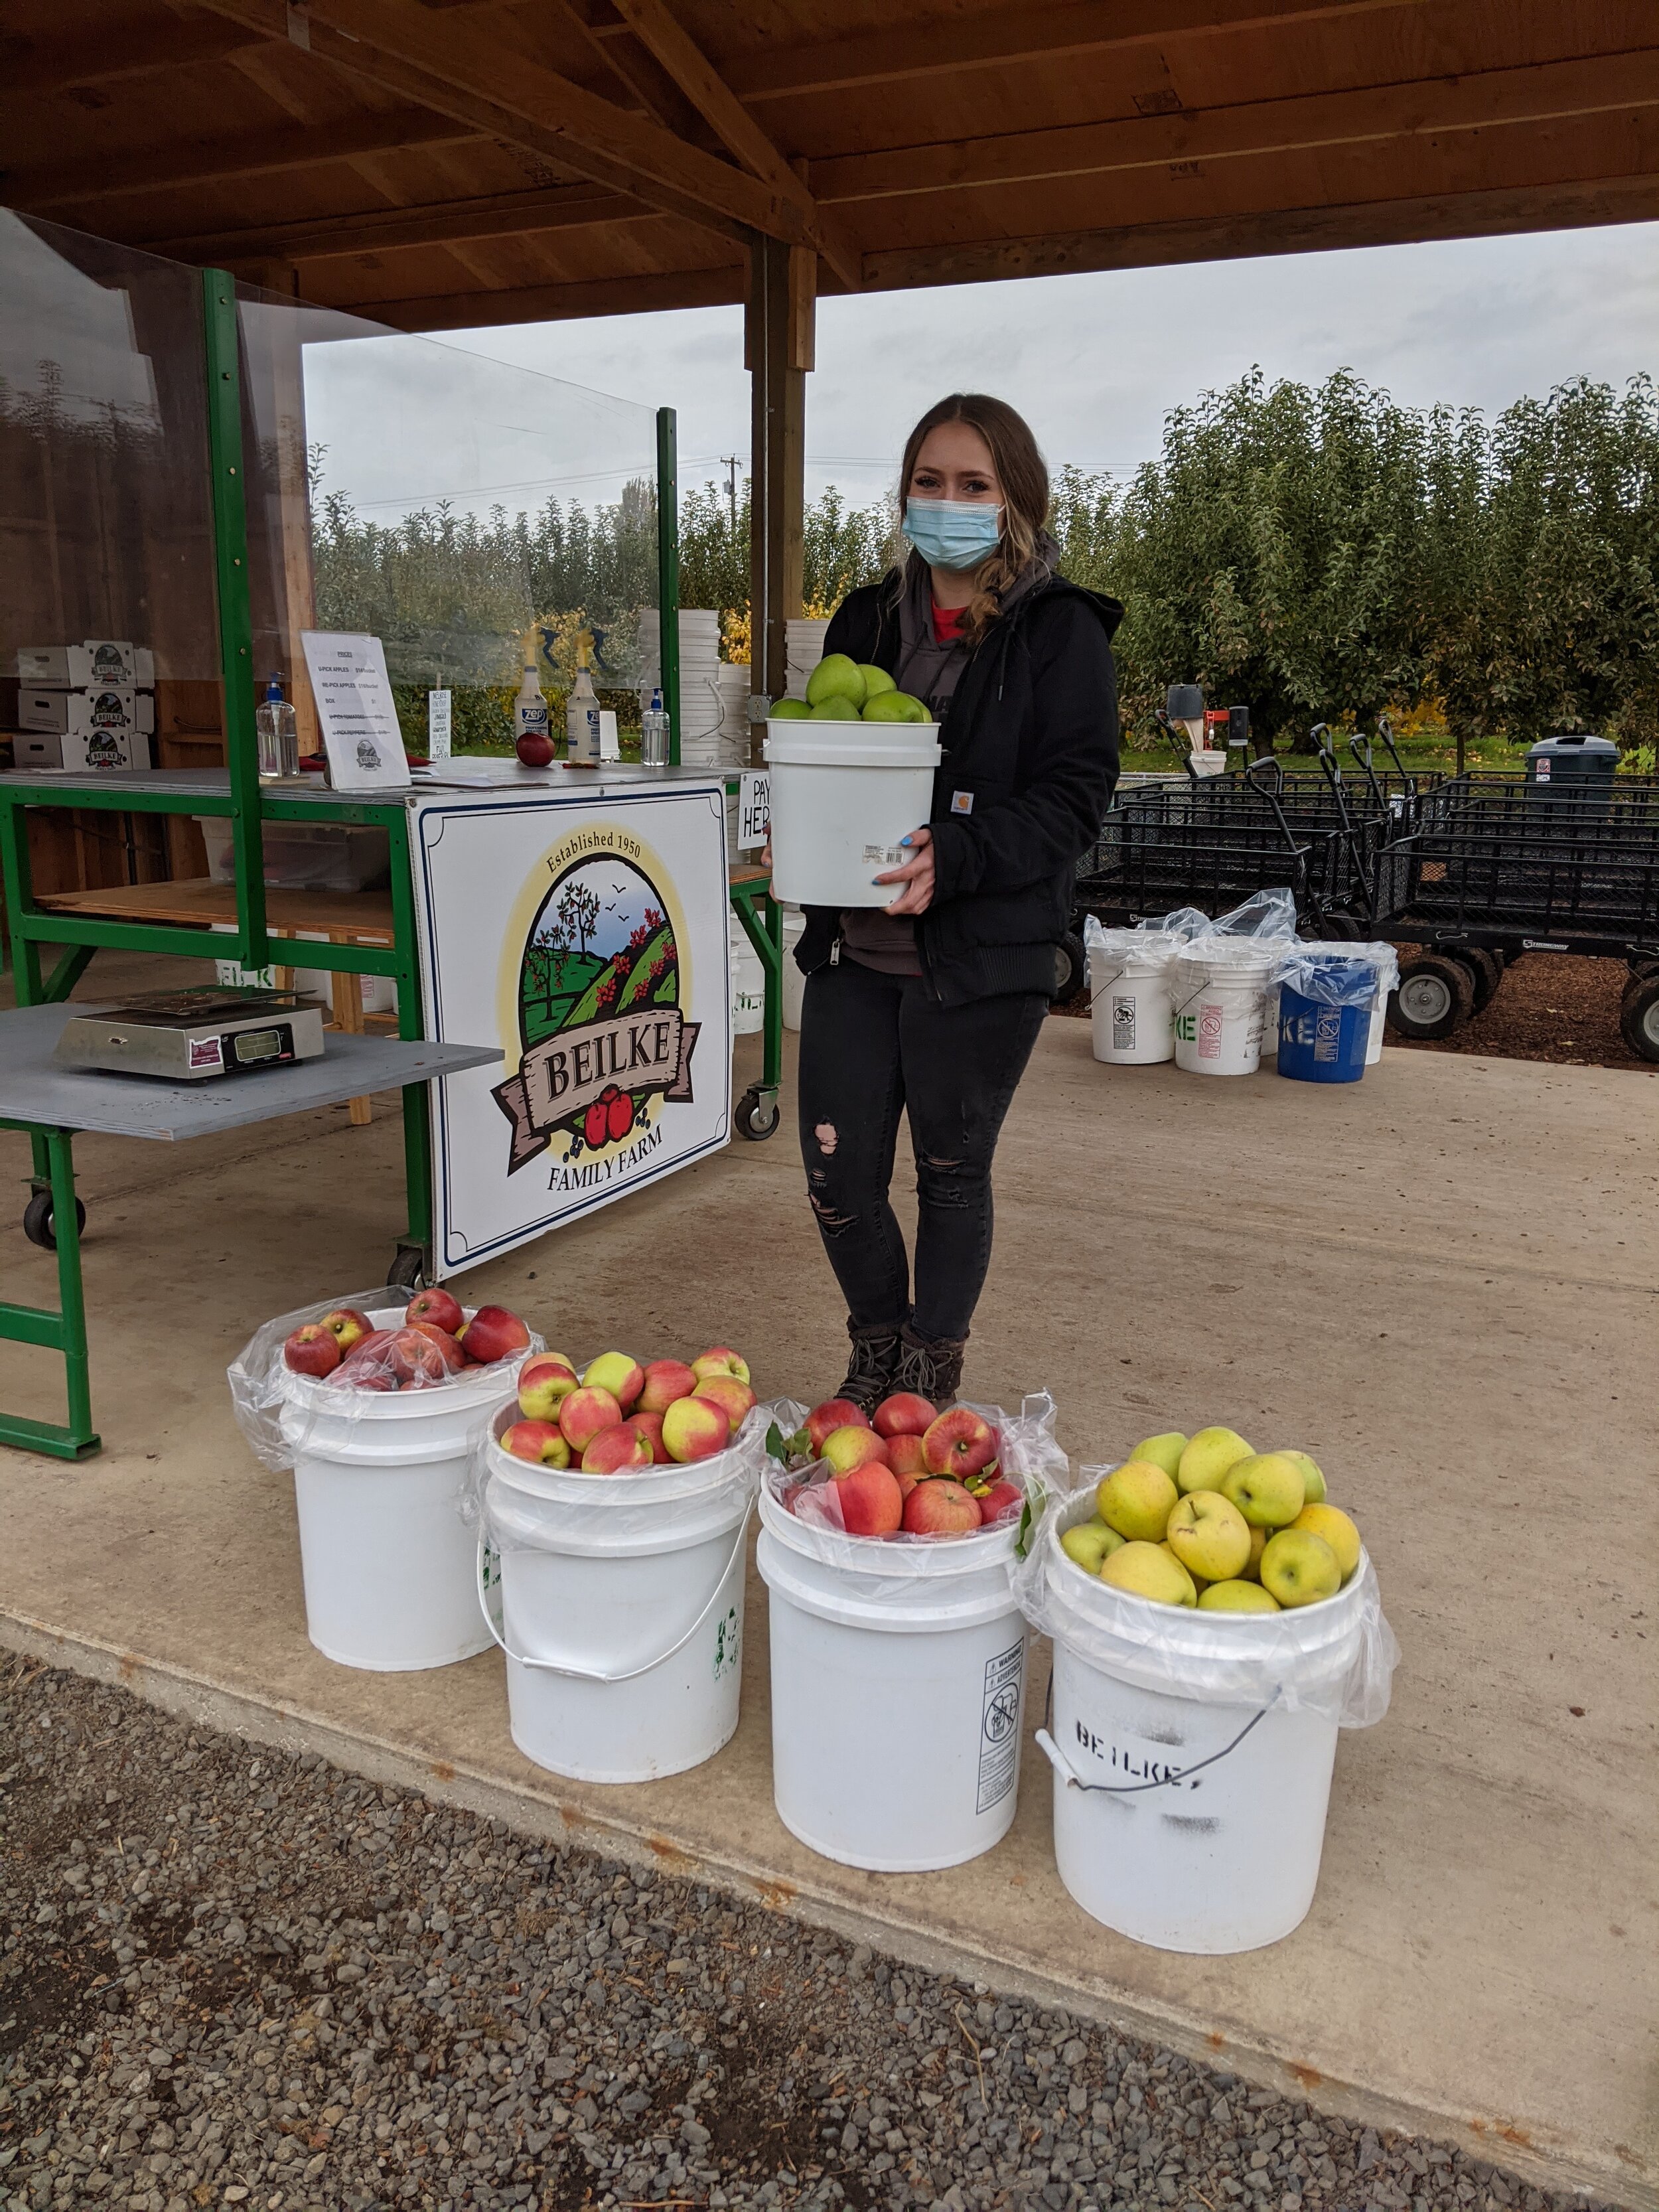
(1323, 1028)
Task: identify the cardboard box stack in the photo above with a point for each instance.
(87, 706)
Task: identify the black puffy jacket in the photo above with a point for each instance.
(1030, 759)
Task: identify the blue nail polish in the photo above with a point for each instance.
(904, 840)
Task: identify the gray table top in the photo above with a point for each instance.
(486, 776)
(34, 1088)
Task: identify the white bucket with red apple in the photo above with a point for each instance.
(379, 1453)
(898, 1656)
(617, 1596)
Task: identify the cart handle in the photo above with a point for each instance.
(1183, 750)
(593, 1674)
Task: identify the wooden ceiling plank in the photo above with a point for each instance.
(721, 286)
(136, 48)
(702, 85)
(1541, 94)
(384, 230)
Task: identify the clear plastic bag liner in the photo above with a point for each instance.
(281, 1413)
(1028, 1455)
(1336, 1659)
(1264, 914)
(1140, 943)
(1338, 975)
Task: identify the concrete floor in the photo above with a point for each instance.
(1307, 1264)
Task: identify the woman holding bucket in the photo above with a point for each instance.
(931, 1007)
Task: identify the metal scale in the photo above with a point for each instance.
(191, 1037)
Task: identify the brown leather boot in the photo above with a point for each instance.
(932, 1369)
(871, 1370)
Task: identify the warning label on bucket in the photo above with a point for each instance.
(1124, 1024)
(999, 1734)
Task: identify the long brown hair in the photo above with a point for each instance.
(1024, 475)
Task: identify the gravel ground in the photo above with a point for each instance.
(234, 1977)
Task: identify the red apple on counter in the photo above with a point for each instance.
(733, 1398)
(312, 1350)
(614, 1449)
(545, 1380)
(619, 1373)
(960, 1443)
(492, 1333)
(665, 1381)
(722, 1360)
(540, 1443)
(833, 1413)
(585, 1413)
(871, 1504)
(454, 1357)
(349, 1326)
(903, 1414)
(940, 1508)
(849, 1447)
(436, 1306)
(695, 1428)
(649, 1426)
(536, 749)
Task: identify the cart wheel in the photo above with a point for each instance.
(758, 1115)
(1436, 996)
(408, 1270)
(1642, 965)
(1484, 972)
(1071, 966)
(1639, 1017)
(37, 1223)
(1343, 929)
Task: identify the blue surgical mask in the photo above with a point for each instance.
(952, 533)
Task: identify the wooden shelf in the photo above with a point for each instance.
(346, 917)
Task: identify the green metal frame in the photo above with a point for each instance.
(65, 1331)
(763, 922)
(668, 572)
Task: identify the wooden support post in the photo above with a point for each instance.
(778, 344)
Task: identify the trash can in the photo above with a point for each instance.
(1579, 768)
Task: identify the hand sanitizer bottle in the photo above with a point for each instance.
(530, 716)
(654, 734)
(581, 716)
(277, 733)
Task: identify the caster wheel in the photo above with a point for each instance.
(407, 1271)
(38, 1222)
(759, 1116)
(1436, 996)
(1638, 1016)
(1485, 973)
(1071, 966)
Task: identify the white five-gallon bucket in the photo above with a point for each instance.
(898, 1685)
(618, 1601)
(1219, 994)
(390, 1580)
(1188, 1824)
(844, 797)
(748, 981)
(1129, 1005)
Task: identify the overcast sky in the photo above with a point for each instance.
(1094, 361)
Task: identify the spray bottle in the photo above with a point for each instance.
(531, 738)
(581, 715)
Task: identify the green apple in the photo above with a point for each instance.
(834, 709)
(836, 676)
(1090, 1542)
(1162, 1451)
(1266, 1488)
(1300, 1568)
(876, 681)
(1236, 1597)
(1148, 1571)
(895, 707)
(1312, 1480)
(1208, 1456)
(1251, 1570)
(789, 710)
(1331, 1523)
(1199, 1585)
(1137, 1499)
(1209, 1535)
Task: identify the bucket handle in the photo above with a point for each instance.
(1062, 1766)
(1096, 997)
(593, 1675)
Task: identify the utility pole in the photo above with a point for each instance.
(732, 465)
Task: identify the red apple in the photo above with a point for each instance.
(536, 749)
(492, 1333)
(960, 1443)
(849, 1447)
(349, 1326)
(368, 1376)
(998, 1498)
(722, 1360)
(695, 1428)
(545, 1380)
(903, 1414)
(436, 1306)
(312, 1350)
(906, 1458)
(539, 1441)
(369, 1356)
(940, 1508)
(649, 1426)
(871, 1504)
(454, 1357)
(665, 1381)
(413, 1357)
(619, 1373)
(614, 1449)
(833, 1413)
(585, 1413)
(733, 1398)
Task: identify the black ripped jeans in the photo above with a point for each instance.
(874, 1046)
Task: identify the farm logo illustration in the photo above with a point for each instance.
(604, 1041)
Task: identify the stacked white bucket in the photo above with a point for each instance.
(803, 650)
(748, 980)
(713, 699)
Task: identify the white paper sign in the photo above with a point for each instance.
(437, 725)
(586, 935)
(355, 708)
(754, 809)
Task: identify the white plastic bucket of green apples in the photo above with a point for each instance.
(851, 767)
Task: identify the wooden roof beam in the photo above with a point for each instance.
(136, 47)
(737, 131)
(716, 287)
(390, 230)
(1545, 92)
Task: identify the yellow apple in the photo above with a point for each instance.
(1312, 1480)
(1210, 1536)
(1136, 1499)
(1148, 1571)
(1208, 1456)
(1251, 1570)
(1162, 1451)
(1198, 1580)
(1339, 1532)
(1266, 1488)
(1236, 1597)
(1300, 1568)
(1088, 1543)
